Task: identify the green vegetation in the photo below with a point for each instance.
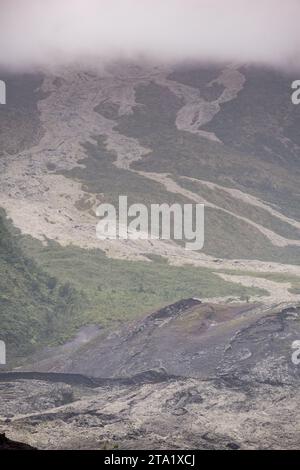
(179, 153)
(19, 119)
(295, 290)
(119, 290)
(263, 125)
(228, 237)
(48, 292)
(194, 78)
(241, 208)
(35, 308)
(183, 154)
(100, 176)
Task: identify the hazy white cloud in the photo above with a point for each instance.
(44, 33)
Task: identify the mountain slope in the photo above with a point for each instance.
(34, 307)
(75, 287)
(119, 131)
(158, 135)
(243, 341)
(237, 389)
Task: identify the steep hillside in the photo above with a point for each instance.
(35, 309)
(245, 342)
(40, 307)
(189, 375)
(159, 134)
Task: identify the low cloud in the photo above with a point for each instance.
(49, 33)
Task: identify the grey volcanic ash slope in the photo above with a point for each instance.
(237, 369)
(225, 136)
(157, 134)
(247, 342)
(215, 373)
(173, 414)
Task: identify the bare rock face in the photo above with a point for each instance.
(28, 396)
(191, 375)
(171, 414)
(248, 343)
(52, 124)
(206, 375)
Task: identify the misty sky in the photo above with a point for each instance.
(46, 33)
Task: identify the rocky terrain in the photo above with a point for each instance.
(189, 338)
(141, 343)
(190, 375)
(158, 134)
(49, 192)
(173, 414)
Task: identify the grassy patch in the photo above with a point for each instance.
(119, 290)
(48, 292)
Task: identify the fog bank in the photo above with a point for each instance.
(47, 33)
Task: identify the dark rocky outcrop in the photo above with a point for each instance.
(190, 338)
(8, 444)
(191, 375)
